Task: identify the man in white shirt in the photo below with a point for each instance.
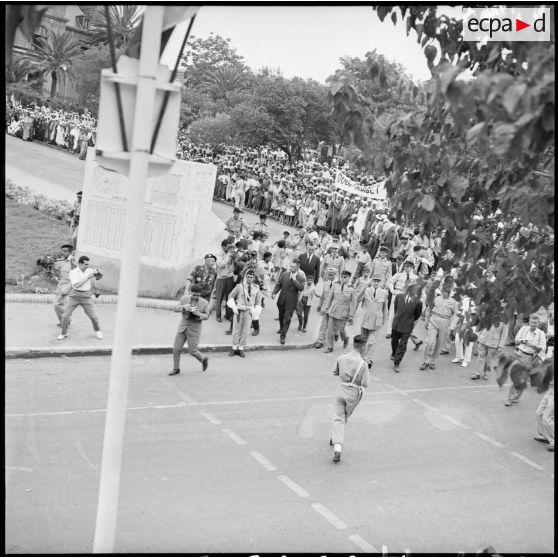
(81, 278)
(530, 342)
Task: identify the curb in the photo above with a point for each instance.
(50, 352)
(155, 303)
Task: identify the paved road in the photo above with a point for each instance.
(237, 460)
(57, 174)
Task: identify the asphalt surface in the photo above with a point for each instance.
(237, 459)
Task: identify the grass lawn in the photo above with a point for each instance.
(30, 235)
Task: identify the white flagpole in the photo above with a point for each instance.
(109, 488)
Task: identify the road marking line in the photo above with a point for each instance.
(211, 418)
(528, 461)
(297, 489)
(425, 405)
(187, 398)
(329, 516)
(239, 402)
(456, 422)
(14, 468)
(234, 436)
(363, 544)
(489, 440)
(262, 460)
(391, 387)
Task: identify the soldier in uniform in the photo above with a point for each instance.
(194, 309)
(204, 276)
(354, 376)
(341, 307)
(62, 268)
(440, 319)
(235, 226)
(334, 260)
(245, 301)
(329, 280)
(374, 303)
(381, 266)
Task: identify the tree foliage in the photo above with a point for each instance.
(205, 56)
(54, 56)
(124, 21)
(479, 152)
(297, 109)
(86, 69)
(223, 81)
(214, 130)
(250, 124)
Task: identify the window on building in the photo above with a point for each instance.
(41, 32)
(82, 22)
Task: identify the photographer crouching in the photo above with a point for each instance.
(81, 279)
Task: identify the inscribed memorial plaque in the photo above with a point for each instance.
(178, 224)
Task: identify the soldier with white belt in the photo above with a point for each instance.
(354, 376)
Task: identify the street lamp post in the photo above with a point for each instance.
(109, 488)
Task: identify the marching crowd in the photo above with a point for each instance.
(377, 288)
(68, 130)
(347, 260)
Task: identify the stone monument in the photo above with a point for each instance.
(178, 224)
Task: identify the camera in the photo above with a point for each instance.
(46, 261)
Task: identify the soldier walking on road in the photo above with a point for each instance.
(340, 306)
(245, 301)
(354, 376)
(194, 309)
(327, 286)
(374, 303)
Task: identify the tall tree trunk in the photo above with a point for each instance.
(53, 84)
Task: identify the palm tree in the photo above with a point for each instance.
(123, 20)
(54, 55)
(21, 69)
(222, 81)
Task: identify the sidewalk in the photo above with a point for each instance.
(31, 331)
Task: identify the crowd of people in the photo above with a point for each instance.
(394, 288)
(348, 260)
(68, 130)
(298, 194)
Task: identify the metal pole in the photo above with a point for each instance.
(109, 488)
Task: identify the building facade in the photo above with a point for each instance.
(73, 18)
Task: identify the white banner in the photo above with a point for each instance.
(374, 191)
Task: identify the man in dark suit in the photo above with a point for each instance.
(310, 263)
(290, 283)
(407, 310)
